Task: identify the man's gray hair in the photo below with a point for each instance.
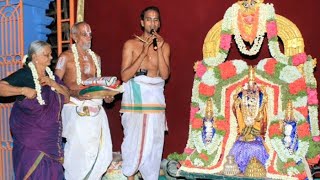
(75, 27)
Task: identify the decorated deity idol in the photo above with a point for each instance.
(250, 110)
(290, 139)
(208, 129)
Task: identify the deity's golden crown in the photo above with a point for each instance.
(289, 111)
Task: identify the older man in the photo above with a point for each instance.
(88, 150)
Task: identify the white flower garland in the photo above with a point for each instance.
(240, 65)
(301, 101)
(198, 163)
(36, 80)
(308, 73)
(314, 127)
(260, 31)
(283, 152)
(289, 74)
(209, 78)
(195, 92)
(292, 171)
(76, 60)
(197, 140)
(214, 61)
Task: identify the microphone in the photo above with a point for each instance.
(154, 42)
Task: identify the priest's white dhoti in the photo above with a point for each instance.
(88, 150)
(143, 121)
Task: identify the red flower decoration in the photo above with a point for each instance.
(204, 157)
(303, 130)
(289, 164)
(187, 163)
(221, 125)
(225, 41)
(274, 129)
(302, 175)
(312, 96)
(299, 59)
(206, 90)
(297, 86)
(270, 66)
(227, 70)
(197, 123)
(303, 110)
(272, 30)
(314, 160)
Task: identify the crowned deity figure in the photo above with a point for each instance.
(289, 129)
(208, 129)
(250, 103)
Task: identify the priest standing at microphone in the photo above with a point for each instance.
(145, 67)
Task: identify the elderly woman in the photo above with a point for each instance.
(35, 120)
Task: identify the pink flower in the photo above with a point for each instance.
(312, 96)
(201, 69)
(272, 30)
(299, 59)
(225, 40)
(193, 112)
(188, 150)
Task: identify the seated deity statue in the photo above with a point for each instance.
(250, 110)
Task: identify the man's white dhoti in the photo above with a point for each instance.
(143, 121)
(88, 150)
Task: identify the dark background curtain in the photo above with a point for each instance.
(184, 26)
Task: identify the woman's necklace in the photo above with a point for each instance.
(36, 81)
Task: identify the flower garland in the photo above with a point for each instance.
(260, 32)
(76, 60)
(313, 112)
(284, 154)
(36, 81)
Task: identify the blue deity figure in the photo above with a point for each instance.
(208, 129)
(290, 139)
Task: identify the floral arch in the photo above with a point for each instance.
(283, 77)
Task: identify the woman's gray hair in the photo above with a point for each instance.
(35, 48)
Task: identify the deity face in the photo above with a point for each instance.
(249, 6)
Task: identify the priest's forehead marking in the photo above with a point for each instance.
(85, 30)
